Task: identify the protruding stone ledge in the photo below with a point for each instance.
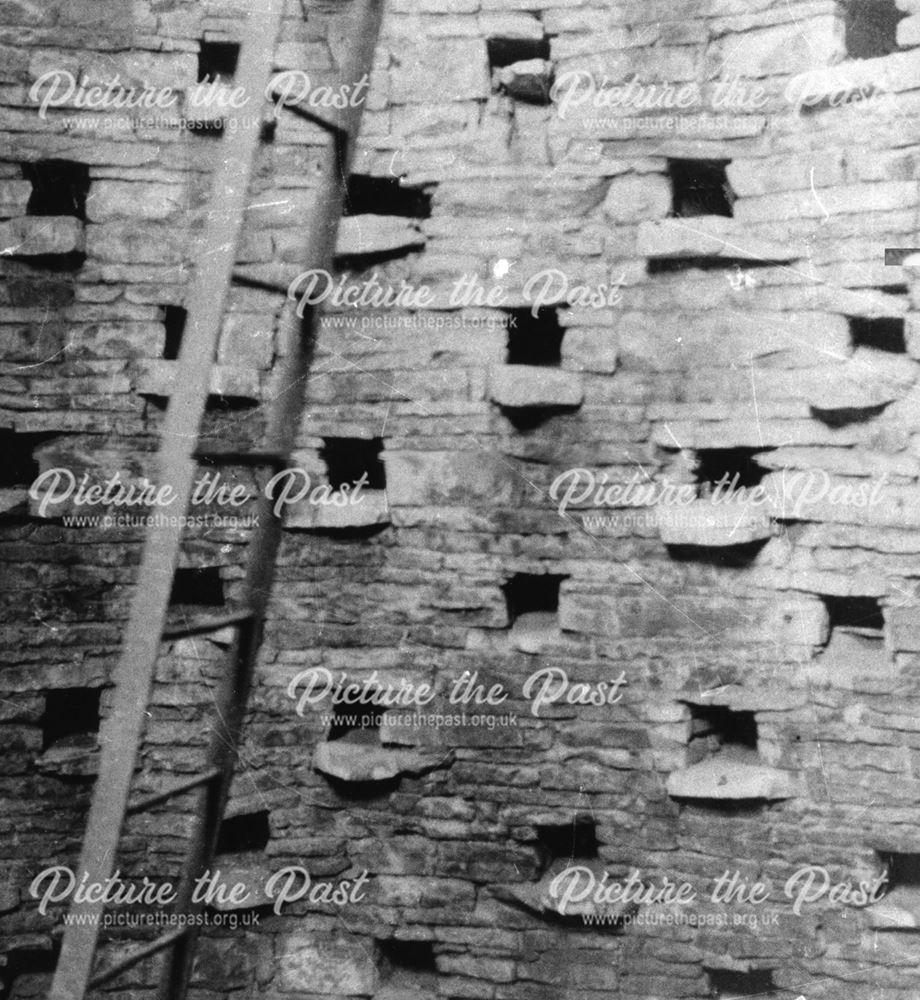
(370, 509)
(536, 898)
(74, 761)
(899, 910)
(160, 378)
(727, 778)
(709, 236)
(359, 761)
(360, 235)
(517, 386)
(534, 631)
(714, 525)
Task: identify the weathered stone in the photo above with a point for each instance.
(370, 509)
(533, 385)
(109, 199)
(322, 963)
(784, 48)
(725, 777)
(527, 80)
(365, 761)
(373, 234)
(160, 378)
(709, 236)
(415, 478)
(35, 236)
(715, 525)
(637, 197)
(909, 30)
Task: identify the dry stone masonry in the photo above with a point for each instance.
(606, 511)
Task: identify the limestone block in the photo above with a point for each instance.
(418, 478)
(250, 870)
(842, 199)
(159, 378)
(151, 244)
(527, 80)
(781, 48)
(710, 236)
(533, 385)
(848, 657)
(442, 71)
(110, 199)
(11, 498)
(716, 525)
(372, 234)
(246, 340)
(590, 349)
(866, 380)
(897, 910)
(493, 24)
(77, 757)
(361, 761)
(540, 897)
(726, 777)
(535, 631)
(371, 508)
(909, 31)
(117, 341)
(14, 197)
(33, 236)
(633, 197)
(317, 963)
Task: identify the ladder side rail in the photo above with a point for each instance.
(232, 694)
(133, 676)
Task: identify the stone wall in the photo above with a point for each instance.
(671, 284)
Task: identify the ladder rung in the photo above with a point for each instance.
(253, 457)
(159, 944)
(332, 127)
(182, 786)
(212, 624)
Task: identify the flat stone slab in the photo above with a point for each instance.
(371, 508)
(517, 386)
(160, 378)
(364, 762)
(725, 777)
(714, 525)
(709, 236)
(898, 910)
(535, 630)
(373, 234)
(536, 897)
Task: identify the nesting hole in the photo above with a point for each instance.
(217, 59)
(59, 187)
(534, 340)
(368, 195)
(174, 321)
(856, 615)
(507, 51)
(730, 984)
(408, 965)
(198, 586)
(567, 841)
(885, 333)
(349, 459)
(71, 717)
(718, 729)
(246, 832)
(728, 468)
(700, 187)
(871, 28)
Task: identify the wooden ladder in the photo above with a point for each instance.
(178, 460)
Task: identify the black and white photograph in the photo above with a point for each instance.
(459, 499)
